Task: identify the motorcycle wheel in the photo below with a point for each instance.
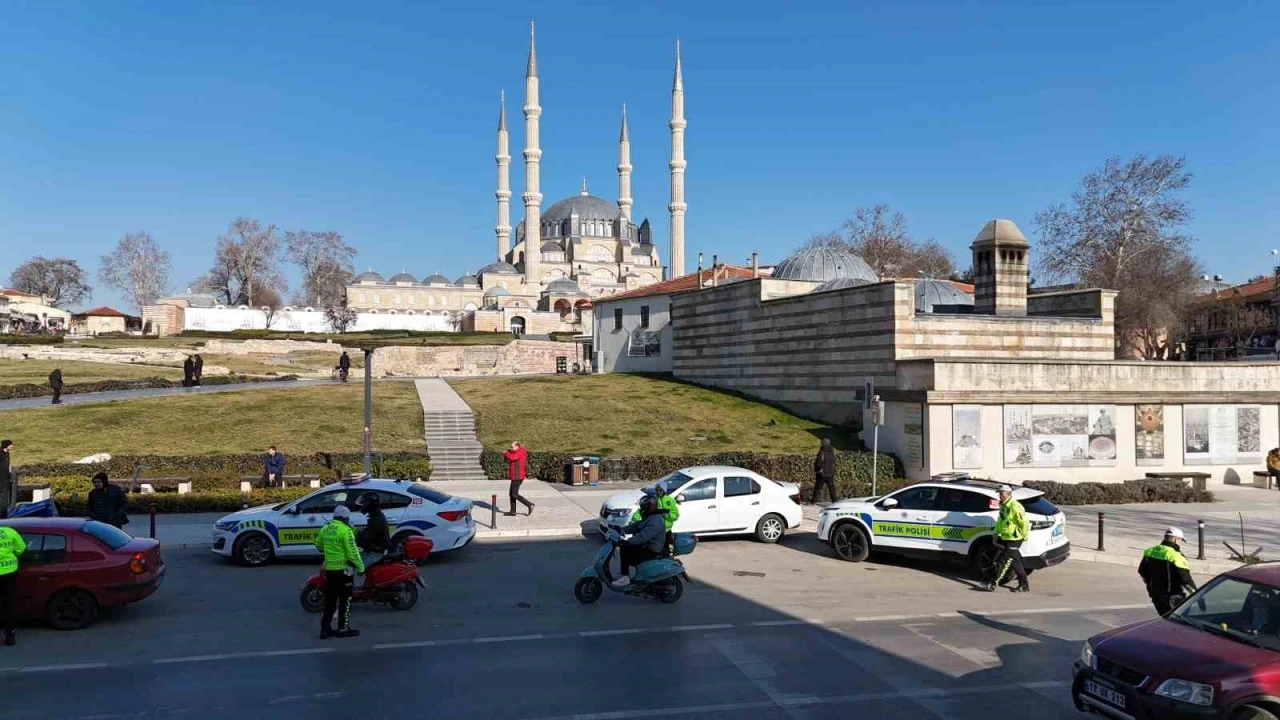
(405, 598)
(588, 590)
(669, 590)
(312, 598)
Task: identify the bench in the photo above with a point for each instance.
(1262, 479)
(1197, 480)
(249, 482)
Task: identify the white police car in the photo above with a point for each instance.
(943, 519)
(255, 536)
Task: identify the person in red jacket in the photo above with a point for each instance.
(516, 459)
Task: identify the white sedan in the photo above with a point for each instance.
(718, 500)
(255, 536)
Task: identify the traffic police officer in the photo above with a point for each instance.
(338, 543)
(1165, 571)
(11, 547)
(1011, 530)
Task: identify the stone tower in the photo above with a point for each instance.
(532, 161)
(624, 170)
(677, 205)
(503, 158)
(1000, 270)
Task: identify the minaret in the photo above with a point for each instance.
(677, 205)
(532, 160)
(503, 228)
(624, 173)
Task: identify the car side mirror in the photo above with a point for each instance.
(888, 503)
(679, 499)
(292, 510)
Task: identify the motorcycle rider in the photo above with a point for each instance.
(338, 543)
(1011, 531)
(645, 541)
(670, 513)
(374, 539)
(1165, 571)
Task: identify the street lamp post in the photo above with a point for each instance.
(368, 410)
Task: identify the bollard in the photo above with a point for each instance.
(493, 512)
(151, 510)
(1102, 519)
(1200, 539)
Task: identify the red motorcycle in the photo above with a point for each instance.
(392, 581)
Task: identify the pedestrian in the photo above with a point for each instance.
(517, 457)
(188, 372)
(11, 548)
(344, 366)
(6, 477)
(55, 382)
(197, 367)
(824, 471)
(338, 543)
(1010, 532)
(273, 467)
(1273, 465)
(107, 502)
(1165, 572)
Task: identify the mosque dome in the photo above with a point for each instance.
(552, 246)
(840, 283)
(403, 277)
(500, 267)
(822, 264)
(466, 281)
(564, 286)
(941, 294)
(586, 207)
(369, 277)
(435, 279)
(496, 291)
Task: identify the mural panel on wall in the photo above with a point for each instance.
(966, 437)
(1059, 435)
(1148, 439)
(913, 430)
(1222, 434)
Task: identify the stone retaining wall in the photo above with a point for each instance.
(521, 357)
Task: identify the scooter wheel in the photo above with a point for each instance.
(312, 598)
(588, 590)
(669, 590)
(405, 598)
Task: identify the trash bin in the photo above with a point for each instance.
(584, 470)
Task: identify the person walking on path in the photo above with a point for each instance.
(188, 372)
(824, 471)
(197, 367)
(344, 366)
(6, 477)
(11, 548)
(1010, 532)
(55, 382)
(273, 467)
(107, 502)
(1165, 572)
(341, 556)
(516, 457)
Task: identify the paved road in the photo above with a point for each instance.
(98, 397)
(763, 632)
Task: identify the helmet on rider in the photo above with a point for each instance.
(369, 500)
(648, 505)
(659, 490)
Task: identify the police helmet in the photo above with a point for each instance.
(370, 500)
(648, 505)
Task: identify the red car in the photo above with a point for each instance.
(73, 567)
(1216, 656)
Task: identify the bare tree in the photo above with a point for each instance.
(270, 302)
(326, 262)
(1121, 231)
(245, 260)
(340, 317)
(61, 280)
(138, 268)
(1156, 316)
(880, 237)
(1239, 318)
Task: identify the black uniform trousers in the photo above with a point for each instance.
(1010, 557)
(337, 598)
(8, 595)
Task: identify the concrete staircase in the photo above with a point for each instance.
(450, 433)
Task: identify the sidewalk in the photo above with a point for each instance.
(80, 398)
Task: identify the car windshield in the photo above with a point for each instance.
(1040, 506)
(1236, 608)
(673, 482)
(425, 491)
(112, 537)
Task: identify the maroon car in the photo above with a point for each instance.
(1216, 656)
(74, 567)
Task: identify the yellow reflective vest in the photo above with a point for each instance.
(338, 543)
(671, 511)
(1012, 524)
(11, 547)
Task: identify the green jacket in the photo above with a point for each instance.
(11, 547)
(669, 508)
(1012, 524)
(338, 543)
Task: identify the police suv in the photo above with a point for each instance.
(255, 536)
(943, 518)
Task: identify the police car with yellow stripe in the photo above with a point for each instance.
(258, 535)
(943, 518)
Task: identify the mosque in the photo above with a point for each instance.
(551, 267)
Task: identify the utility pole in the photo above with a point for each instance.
(368, 410)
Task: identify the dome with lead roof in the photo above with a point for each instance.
(822, 264)
(500, 267)
(943, 296)
(466, 281)
(369, 276)
(436, 279)
(840, 284)
(497, 291)
(564, 286)
(586, 207)
(403, 277)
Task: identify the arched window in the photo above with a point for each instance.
(362, 300)
(517, 326)
(395, 300)
(469, 307)
(552, 274)
(601, 276)
(377, 300)
(596, 253)
(411, 299)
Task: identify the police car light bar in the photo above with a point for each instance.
(356, 479)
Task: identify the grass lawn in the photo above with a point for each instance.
(633, 415)
(17, 372)
(301, 420)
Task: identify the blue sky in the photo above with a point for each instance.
(376, 119)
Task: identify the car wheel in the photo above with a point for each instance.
(669, 590)
(253, 550)
(312, 598)
(405, 598)
(850, 542)
(771, 528)
(1249, 712)
(71, 610)
(984, 561)
(588, 590)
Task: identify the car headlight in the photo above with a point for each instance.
(1186, 691)
(225, 525)
(1086, 654)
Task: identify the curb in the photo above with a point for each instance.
(538, 533)
(1199, 567)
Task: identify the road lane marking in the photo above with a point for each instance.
(243, 655)
(413, 644)
(782, 623)
(609, 633)
(53, 668)
(696, 628)
(507, 638)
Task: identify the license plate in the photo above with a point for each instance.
(1057, 531)
(1105, 693)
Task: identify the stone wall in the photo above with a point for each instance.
(270, 347)
(1071, 303)
(521, 357)
(536, 322)
(163, 319)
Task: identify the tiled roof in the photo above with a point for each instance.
(682, 283)
(1256, 290)
(103, 311)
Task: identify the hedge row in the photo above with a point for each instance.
(31, 390)
(218, 501)
(230, 468)
(853, 469)
(1131, 491)
(30, 339)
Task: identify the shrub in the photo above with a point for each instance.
(211, 471)
(30, 339)
(71, 495)
(30, 390)
(1130, 491)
